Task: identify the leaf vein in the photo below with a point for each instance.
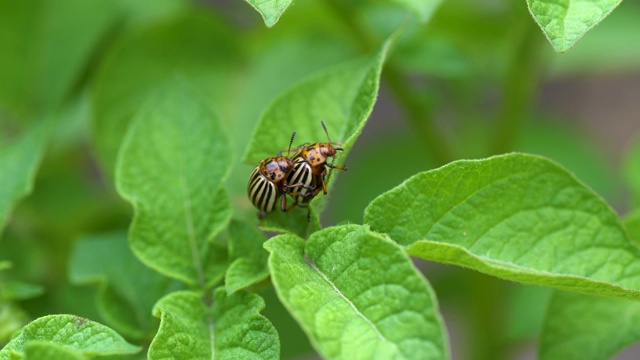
(353, 307)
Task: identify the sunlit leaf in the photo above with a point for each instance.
(271, 10)
(37, 350)
(611, 324)
(241, 331)
(225, 327)
(352, 279)
(564, 22)
(186, 328)
(518, 217)
(81, 336)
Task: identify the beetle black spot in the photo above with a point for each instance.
(312, 157)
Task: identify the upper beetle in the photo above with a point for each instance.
(310, 163)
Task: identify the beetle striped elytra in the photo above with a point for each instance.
(268, 181)
(310, 163)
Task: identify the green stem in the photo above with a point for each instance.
(486, 320)
(519, 83)
(417, 112)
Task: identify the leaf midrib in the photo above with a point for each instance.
(353, 307)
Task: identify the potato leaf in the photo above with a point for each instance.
(78, 335)
(191, 44)
(610, 324)
(564, 22)
(171, 168)
(270, 10)
(18, 164)
(128, 288)
(248, 257)
(231, 328)
(516, 216)
(357, 295)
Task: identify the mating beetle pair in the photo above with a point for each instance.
(302, 176)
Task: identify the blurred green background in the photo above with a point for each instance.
(478, 79)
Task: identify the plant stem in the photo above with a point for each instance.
(486, 341)
(417, 112)
(520, 81)
(419, 115)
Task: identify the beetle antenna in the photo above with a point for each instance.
(291, 142)
(325, 130)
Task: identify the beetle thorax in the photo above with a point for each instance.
(275, 169)
(317, 154)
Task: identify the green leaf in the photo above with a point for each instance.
(248, 258)
(241, 332)
(192, 44)
(171, 168)
(343, 97)
(12, 318)
(82, 336)
(632, 170)
(605, 50)
(357, 295)
(516, 216)
(37, 350)
(271, 10)
(45, 45)
(186, 328)
(564, 22)
(18, 164)
(423, 8)
(296, 343)
(128, 289)
(612, 324)
(189, 329)
(18, 290)
(632, 224)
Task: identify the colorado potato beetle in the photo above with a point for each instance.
(269, 181)
(310, 163)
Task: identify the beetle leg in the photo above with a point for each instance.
(292, 205)
(283, 201)
(322, 176)
(308, 187)
(343, 168)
